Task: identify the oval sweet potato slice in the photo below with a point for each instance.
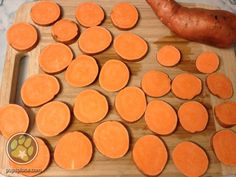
(89, 14)
(130, 103)
(224, 145)
(124, 15)
(37, 165)
(190, 159)
(168, 55)
(13, 119)
(130, 46)
(52, 118)
(156, 83)
(55, 58)
(220, 85)
(94, 40)
(39, 89)
(90, 106)
(22, 36)
(82, 71)
(104, 136)
(207, 62)
(193, 116)
(114, 75)
(150, 155)
(160, 117)
(186, 86)
(45, 12)
(69, 159)
(65, 31)
(226, 113)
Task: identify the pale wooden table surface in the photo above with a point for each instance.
(192, 53)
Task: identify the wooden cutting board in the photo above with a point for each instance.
(157, 35)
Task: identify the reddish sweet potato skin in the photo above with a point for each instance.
(212, 27)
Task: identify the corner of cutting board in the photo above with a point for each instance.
(23, 10)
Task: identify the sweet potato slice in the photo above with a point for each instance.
(124, 15)
(89, 14)
(226, 113)
(52, 118)
(207, 62)
(90, 106)
(168, 55)
(82, 71)
(186, 86)
(22, 36)
(220, 85)
(190, 159)
(193, 116)
(45, 12)
(94, 40)
(156, 83)
(130, 46)
(13, 119)
(114, 75)
(224, 145)
(130, 103)
(39, 89)
(150, 155)
(37, 165)
(55, 58)
(73, 151)
(161, 117)
(111, 139)
(65, 31)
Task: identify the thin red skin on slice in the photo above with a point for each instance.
(168, 56)
(53, 120)
(101, 137)
(39, 6)
(224, 149)
(27, 86)
(85, 101)
(9, 117)
(23, 37)
(207, 62)
(122, 96)
(66, 39)
(226, 114)
(55, 49)
(82, 143)
(125, 22)
(110, 79)
(185, 164)
(189, 91)
(156, 83)
(82, 8)
(155, 113)
(76, 72)
(220, 85)
(191, 119)
(127, 46)
(89, 44)
(159, 148)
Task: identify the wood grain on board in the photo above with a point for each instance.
(157, 35)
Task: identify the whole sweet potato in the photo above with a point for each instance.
(213, 27)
